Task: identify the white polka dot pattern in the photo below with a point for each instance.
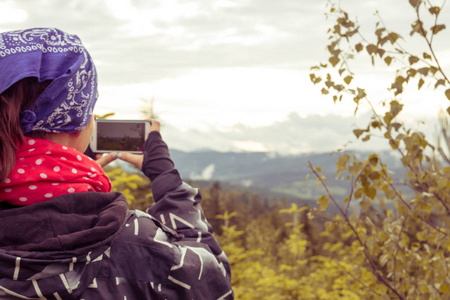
(45, 170)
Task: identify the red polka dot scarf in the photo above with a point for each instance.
(45, 170)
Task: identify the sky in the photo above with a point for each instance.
(228, 75)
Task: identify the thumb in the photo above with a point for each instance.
(106, 159)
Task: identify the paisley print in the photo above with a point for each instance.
(51, 54)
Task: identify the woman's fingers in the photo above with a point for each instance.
(155, 125)
(106, 159)
(135, 159)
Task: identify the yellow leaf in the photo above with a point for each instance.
(393, 37)
(365, 204)
(348, 79)
(373, 159)
(390, 194)
(341, 163)
(414, 3)
(323, 202)
(447, 94)
(426, 56)
(435, 10)
(413, 59)
(358, 132)
(107, 115)
(422, 235)
(444, 289)
(388, 60)
(448, 245)
(424, 71)
(380, 52)
(421, 82)
(423, 289)
(329, 226)
(437, 28)
(383, 236)
(131, 185)
(371, 192)
(396, 107)
(334, 60)
(371, 48)
(439, 82)
(428, 208)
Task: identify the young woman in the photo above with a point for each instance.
(64, 234)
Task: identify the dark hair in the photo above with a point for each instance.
(13, 101)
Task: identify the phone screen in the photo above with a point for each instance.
(120, 136)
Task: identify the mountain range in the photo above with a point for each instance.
(273, 175)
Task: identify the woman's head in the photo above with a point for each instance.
(48, 84)
(49, 54)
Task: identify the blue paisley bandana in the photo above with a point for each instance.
(67, 103)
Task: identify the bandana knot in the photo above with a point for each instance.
(27, 119)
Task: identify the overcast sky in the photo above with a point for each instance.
(224, 74)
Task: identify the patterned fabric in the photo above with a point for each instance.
(51, 54)
(168, 253)
(45, 170)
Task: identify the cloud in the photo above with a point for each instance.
(142, 41)
(206, 174)
(136, 41)
(88, 19)
(291, 136)
(10, 14)
(233, 68)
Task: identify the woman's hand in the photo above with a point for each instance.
(103, 160)
(155, 125)
(134, 159)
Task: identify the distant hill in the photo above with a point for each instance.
(269, 173)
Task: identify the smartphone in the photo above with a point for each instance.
(119, 135)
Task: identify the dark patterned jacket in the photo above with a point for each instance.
(90, 246)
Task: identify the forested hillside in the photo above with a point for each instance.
(274, 175)
(387, 234)
(277, 250)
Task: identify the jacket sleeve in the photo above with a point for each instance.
(201, 267)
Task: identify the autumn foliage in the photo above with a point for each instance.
(402, 228)
(389, 239)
